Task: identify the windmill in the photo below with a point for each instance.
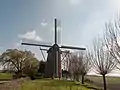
(53, 65)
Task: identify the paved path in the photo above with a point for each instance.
(110, 86)
(2, 82)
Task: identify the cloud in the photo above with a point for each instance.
(30, 36)
(74, 2)
(43, 23)
(115, 4)
(18, 44)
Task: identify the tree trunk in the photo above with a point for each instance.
(66, 76)
(82, 79)
(52, 76)
(71, 77)
(77, 77)
(74, 76)
(104, 80)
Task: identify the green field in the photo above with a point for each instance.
(5, 76)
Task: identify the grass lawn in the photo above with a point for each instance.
(5, 76)
(45, 84)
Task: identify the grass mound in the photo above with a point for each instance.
(45, 84)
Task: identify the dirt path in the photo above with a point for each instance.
(11, 85)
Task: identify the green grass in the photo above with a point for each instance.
(46, 84)
(5, 76)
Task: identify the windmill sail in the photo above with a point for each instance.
(71, 47)
(59, 32)
(30, 44)
(36, 42)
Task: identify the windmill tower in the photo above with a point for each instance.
(53, 65)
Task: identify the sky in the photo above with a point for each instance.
(80, 21)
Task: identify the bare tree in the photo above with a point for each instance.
(74, 66)
(112, 40)
(79, 65)
(84, 64)
(102, 61)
